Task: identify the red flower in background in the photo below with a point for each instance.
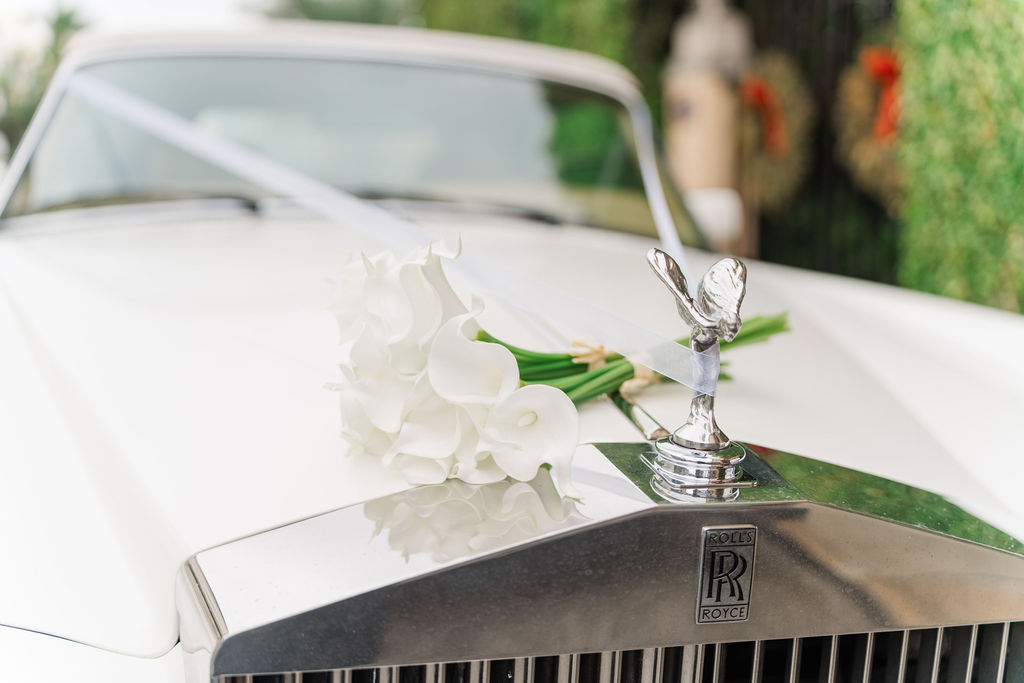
(759, 94)
(881, 64)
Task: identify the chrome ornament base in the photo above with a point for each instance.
(685, 474)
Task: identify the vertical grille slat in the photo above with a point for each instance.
(688, 664)
(698, 663)
(961, 653)
(896, 657)
(609, 671)
(757, 662)
(649, 669)
(991, 650)
(828, 660)
(977, 653)
(929, 657)
(863, 658)
(718, 663)
(630, 666)
(568, 668)
(793, 665)
(1014, 669)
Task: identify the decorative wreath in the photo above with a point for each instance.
(776, 115)
(867, 116)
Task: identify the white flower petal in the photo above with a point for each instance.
(480, 469)
(384, 399)
(535, 425)
(430, 431)
(422, 470)
(470, 372)
(451, 305)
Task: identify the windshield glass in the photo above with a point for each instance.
(378, 130)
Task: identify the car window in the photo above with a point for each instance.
(378, 130)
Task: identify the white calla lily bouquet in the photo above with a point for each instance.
(423, 396)
(427, 392)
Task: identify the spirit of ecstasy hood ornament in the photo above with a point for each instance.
(699, 459)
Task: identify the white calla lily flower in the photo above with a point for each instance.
(422, 396)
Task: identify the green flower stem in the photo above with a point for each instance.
(565, 365)
(560, 370)
(520, 353)
(607, 382)
(528, 375)
(568, 383)
(759, 329)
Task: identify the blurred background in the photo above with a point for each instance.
(881, 139)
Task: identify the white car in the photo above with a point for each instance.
(166, 346)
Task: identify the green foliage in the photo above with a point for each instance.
(599, 26)
(24, 77)
(360, 11)
(586, 137)
(962, 145)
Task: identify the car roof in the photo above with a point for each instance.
(365, 41)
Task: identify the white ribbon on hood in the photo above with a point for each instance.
(698, 371)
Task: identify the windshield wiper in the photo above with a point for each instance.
(465, 206)
(251, 204)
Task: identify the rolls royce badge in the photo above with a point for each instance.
(726, 573)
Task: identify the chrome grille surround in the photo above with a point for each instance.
(616, 577)
(985, 653)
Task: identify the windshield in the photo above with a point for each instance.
(378, 130)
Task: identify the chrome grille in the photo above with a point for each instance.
(980, 653)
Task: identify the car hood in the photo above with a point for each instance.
(164, 392)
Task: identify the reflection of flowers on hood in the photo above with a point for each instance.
(424, 397)
(455, 519)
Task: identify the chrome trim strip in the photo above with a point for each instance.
(869, 654)
(1002, 653)
(757, 665)
(568, 668)
(649, 668)
(698, 669)
(829, 662)
(479, 669)
(209, 602)
(610, 671)
(793, 664)
(688, 664)
(718, 663)
(930, 657)
(898, 655)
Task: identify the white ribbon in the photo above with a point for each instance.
(641, 346)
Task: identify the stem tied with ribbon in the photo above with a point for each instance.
(588, 371)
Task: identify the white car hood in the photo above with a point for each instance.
(163, 391)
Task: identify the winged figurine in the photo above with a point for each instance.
(714, 314)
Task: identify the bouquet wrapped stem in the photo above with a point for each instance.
(582, 381)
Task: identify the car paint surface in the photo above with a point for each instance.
(170, 393)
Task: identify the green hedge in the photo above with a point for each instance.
(962, 144)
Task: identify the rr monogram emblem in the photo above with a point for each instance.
(726, 573)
